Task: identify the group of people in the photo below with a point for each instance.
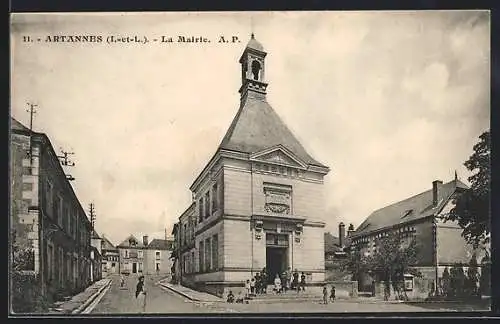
(325, 295)
(289, 281)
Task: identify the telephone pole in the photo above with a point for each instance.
(92, 215)
(32, 112)
(65, 161)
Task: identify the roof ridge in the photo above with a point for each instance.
(411, 197)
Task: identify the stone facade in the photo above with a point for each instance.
(46, 215)
(259, 201)
(440, 242)
(145, 257)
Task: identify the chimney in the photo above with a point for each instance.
(145, 240)
(436, 185)
(350, 230)
(341, 234)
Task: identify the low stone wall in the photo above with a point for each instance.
(422, 288)
(343, 289)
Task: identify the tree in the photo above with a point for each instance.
(472, 209)
(392, 259)
(27, 296)
(355, 264)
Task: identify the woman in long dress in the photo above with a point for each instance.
(277, 284)
(140, 295)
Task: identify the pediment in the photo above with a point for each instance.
(279, 155)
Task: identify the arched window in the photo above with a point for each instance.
(256, 69)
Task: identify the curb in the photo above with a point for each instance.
(89, 301)
(180, 293)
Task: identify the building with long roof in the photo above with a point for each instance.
(421, 217)
(46, 217)
(258, 203)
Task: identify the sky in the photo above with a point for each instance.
(390, 101)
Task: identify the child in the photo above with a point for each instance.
(325, 295)
(230, 297)
(239, 300)
(332, 294)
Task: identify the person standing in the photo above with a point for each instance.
(325, 295)
(295, 282)
(140, 295)
(258, 283)
(277, 284)
(332, 294)
(247, 289)
(288, 278)
(252, 287)
(303, 281)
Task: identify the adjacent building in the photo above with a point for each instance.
(144, 257)
(420, 217)
(110, 258)
(258, 203)
(46, 216)
(95, 257)
(158, 261)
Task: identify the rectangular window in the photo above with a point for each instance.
(139, 254)
(192, 262)
(158, 255)
(215, 198)
(208, 263)
(65, 217)
(49, 199)
(201, 251)
(61, 266)
(50, 262)
(200, 209)
(207, 204)
(59, 211)
(184, 237)
(215, 252)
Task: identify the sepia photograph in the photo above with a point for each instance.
(270, 162)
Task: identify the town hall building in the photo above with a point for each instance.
(258, 203)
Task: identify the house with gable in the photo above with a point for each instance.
(131, 252)
(110, 257)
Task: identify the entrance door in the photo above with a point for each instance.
(134, 267)
(276, 262)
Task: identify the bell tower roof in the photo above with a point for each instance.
(256, 125)
(254, 44)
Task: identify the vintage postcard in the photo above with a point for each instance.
(249, 162)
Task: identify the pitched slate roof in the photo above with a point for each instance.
(161, 244)
(106, 244)
(410, 209)
(94, 234)
(256, 127)
(126, 243)
(16, 125)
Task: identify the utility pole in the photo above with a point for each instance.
(92, 215)
(65, 161)
(32, 112)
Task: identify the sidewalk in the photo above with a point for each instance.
(191, 294)
(79, 302)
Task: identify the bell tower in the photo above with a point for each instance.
(253, 70)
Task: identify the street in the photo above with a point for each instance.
(161, 300)
(122, 300)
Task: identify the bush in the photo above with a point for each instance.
(26, 294)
